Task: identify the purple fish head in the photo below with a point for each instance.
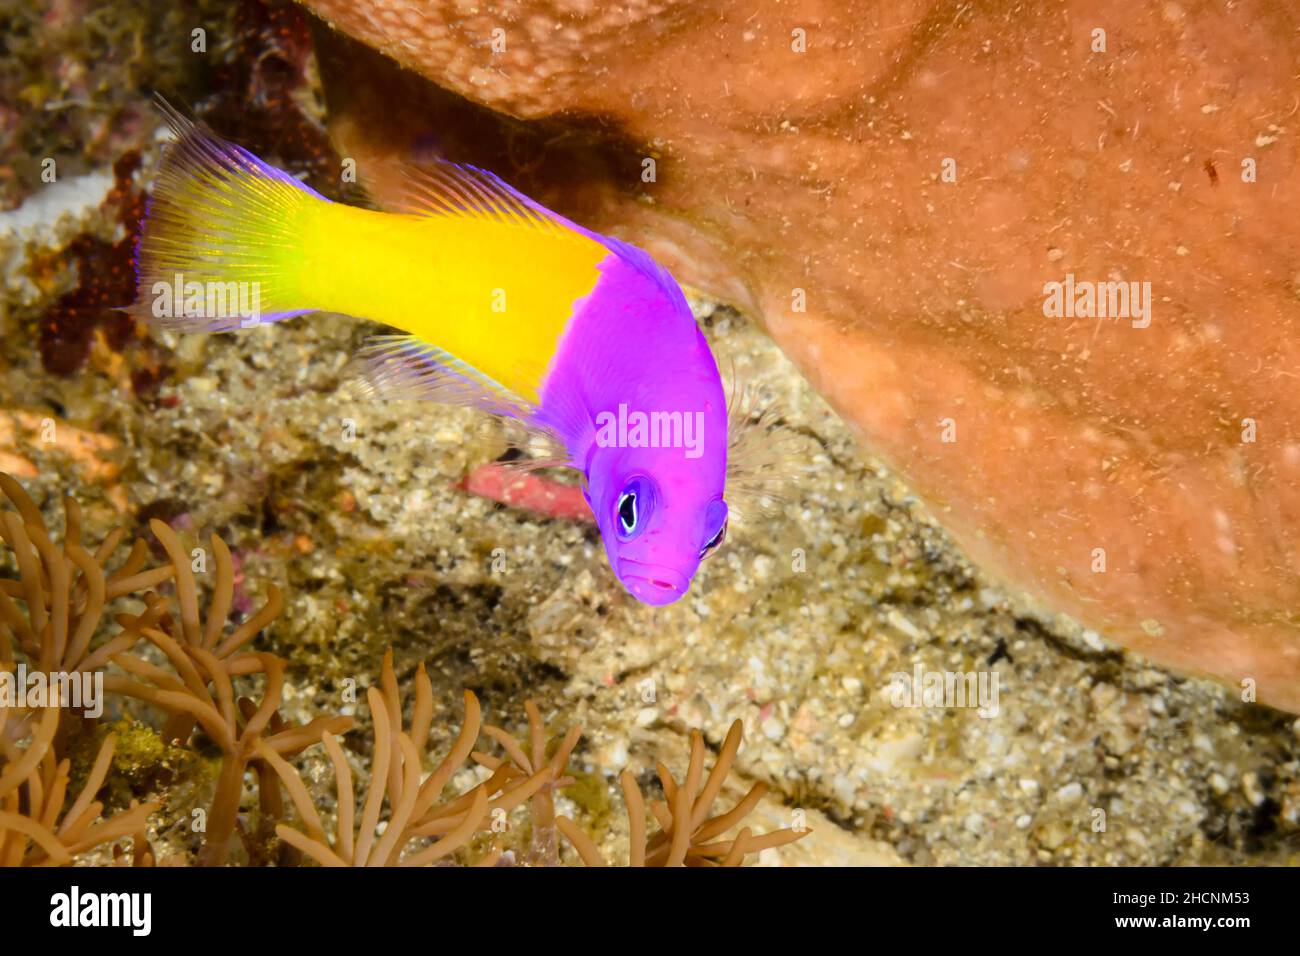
(659, 514)
(656, 478)
(636, 392)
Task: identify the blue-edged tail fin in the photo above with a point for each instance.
(219, 245)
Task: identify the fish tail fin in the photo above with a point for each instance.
(220, 246)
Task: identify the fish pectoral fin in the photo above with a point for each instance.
(763, 457)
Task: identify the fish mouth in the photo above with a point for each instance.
(652, 583)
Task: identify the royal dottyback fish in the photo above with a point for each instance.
(501, 304)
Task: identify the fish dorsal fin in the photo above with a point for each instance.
(647, 265)
(435, 187)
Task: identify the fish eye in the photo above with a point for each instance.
(633, 509)
(627, 512)
(715, 541)
(716, 515)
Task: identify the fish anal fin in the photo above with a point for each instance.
(407, 368)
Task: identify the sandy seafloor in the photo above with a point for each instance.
(796, 626)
